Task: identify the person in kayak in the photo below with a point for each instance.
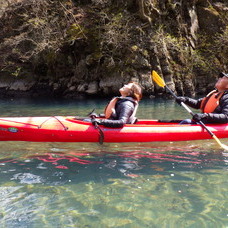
(214, 106)
(121, 110)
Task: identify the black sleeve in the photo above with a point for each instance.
(220, 115)
(193, 103)
(217, 118)
(125, 111)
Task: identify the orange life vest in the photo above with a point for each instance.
(211, 101)
(110, 108)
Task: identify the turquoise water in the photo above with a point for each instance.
(168, 184)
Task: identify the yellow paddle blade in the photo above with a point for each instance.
(224, 147)
(218, 141)
(156, 78)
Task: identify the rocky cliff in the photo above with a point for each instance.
(67, 48)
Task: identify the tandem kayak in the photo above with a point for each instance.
(72, 129)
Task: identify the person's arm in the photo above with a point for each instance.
(125, 111)
(189, 101)
(193, 103)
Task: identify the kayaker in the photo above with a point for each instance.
(214, 106)
(121, 110)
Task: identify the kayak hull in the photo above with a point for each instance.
(70, 129)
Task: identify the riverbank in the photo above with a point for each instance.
(90, 48)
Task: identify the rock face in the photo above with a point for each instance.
(71, 48)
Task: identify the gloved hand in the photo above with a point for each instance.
(181, 99)
(102, 115)
(96, 121)
(93, 115)
(199, 116)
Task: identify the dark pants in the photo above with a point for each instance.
(187, 121)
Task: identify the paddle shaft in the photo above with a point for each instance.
(161, 83)
(191, 113)
(101, 133)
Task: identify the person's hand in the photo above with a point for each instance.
(199, 116)
(180, 99)
(95, 121)
(102, 115)
(93, 115)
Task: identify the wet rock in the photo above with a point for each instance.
(92, 88)
(21, 86)
(95, 52)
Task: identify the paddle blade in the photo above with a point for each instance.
(225, 147)
(218, 141)
(156, 78)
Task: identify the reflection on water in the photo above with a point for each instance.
(181, 184)
(57, 167)
(120, 185)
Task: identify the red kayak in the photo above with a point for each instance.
(70, 129)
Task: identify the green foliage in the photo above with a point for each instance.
(182, 57)
(109, 37)
(221, 46)
(16, 72)
(75, 32)
(36, 22)
(116, 31)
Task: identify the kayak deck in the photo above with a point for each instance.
(70, 129)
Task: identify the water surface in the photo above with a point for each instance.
(163, 184)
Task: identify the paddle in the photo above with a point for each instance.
(92, 115)
(156, 78)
